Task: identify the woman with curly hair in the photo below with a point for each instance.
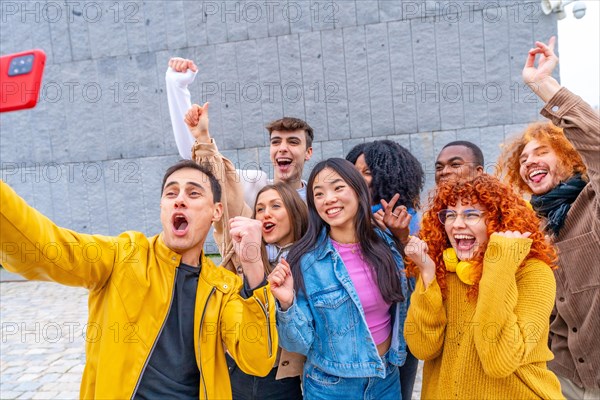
(390, 169)
(480, 312)
(558, 164)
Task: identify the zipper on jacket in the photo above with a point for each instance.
(157, 336)
(202, 382)
(265, 309)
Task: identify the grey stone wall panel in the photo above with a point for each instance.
(251, 93)
(106, 27)
(277, 21)
(78, 33)
(235, 20)
(59, 32)
(497, 87)
(334, 94)
(314, 85)
(472, 50)
(156, 25)
(195, 23)
(291, 76)
(323, 14)
(134, 13)
(207, 88)
(449, 75)
(403, 77)
(345, 14)
(270, 78)
(176, 32)
(231, 112)
(380, 86)
(367, 12)
(425, 60)
(355, 51)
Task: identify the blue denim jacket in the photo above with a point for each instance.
(328, 325)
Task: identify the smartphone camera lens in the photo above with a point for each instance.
(20, 65)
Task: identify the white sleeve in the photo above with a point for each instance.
(178, 97)
(252, 182)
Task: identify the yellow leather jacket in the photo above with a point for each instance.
(131, 279)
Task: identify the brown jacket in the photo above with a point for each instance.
(575, 329)
(232, 196)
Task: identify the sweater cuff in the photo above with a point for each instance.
(431, 296)
(504, 255)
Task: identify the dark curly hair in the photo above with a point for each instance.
(355, 152)
(506, 211)
(393, 170)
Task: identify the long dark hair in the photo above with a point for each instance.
(376, 253)
(296, 211)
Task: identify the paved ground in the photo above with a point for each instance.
(42, 339)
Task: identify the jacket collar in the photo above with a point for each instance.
(325, 247)
(164, 253)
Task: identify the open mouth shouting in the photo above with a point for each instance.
(537, 174)
(284, 164)
(464, 242)
(180, 224)
(268, 227)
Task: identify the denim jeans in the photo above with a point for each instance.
(319, 385)
(250, 387)
(408, 373)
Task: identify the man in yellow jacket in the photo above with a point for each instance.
(178, 309)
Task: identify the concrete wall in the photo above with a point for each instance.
(92, 153)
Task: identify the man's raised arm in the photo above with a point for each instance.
(36, 248)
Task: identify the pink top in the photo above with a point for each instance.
(377, 311)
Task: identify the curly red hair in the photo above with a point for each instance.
(570, 161)
(506, 211)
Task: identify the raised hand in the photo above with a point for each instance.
(416, 250)
(513, 234)
(396, 219)
(197, 121)
(182, 64)
(246, 234)
(282, 284)
(539, 78)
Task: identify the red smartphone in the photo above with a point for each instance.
(21, 79)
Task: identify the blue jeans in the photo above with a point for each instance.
(319, 385)
(250, 387)
(408, 373)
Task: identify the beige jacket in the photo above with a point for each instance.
(234, 189)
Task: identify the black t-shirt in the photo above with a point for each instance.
(172, 371)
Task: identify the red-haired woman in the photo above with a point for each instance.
(479, 315)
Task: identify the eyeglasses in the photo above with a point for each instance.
(470, 217)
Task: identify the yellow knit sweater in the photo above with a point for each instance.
(494, 347)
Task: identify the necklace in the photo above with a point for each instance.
(353, 247)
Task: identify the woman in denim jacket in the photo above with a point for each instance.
(345, 308)
(391, 170)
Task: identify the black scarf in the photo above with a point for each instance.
(555, 204)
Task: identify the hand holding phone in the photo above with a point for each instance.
(21, 79)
